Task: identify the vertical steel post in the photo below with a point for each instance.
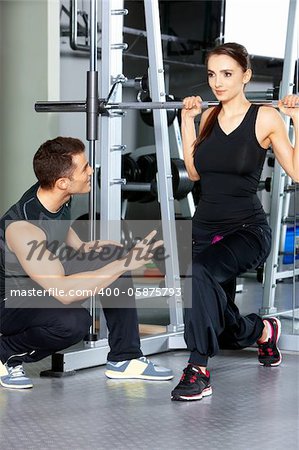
(222, 23)
(290, 57)
(111, 126)
(92, 136)
(112, 13)
(157, 90)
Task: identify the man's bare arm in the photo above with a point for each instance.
(48, 272)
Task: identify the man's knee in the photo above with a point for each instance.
(73, 324)
(81, 322)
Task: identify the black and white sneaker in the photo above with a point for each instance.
(268, 352)
(194, 385)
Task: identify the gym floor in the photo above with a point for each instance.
(252, 407)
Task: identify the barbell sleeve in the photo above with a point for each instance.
(68, 106)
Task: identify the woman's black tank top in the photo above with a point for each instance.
(230, 166)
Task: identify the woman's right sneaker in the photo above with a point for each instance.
(194, 385)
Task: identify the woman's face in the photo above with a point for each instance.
(226, 77)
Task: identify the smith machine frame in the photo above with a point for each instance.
(109, 108)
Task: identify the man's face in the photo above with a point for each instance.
(80, 178)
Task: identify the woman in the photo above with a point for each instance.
(230, 230)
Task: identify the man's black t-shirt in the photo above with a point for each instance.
(55, 226)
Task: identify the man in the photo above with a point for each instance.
(41, 289)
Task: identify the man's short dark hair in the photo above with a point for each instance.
(53, 160)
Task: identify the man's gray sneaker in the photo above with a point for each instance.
(140, 368)
(16, 378)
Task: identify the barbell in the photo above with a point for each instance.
(103, 107)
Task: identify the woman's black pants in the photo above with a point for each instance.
(212, 319)
(51, 327)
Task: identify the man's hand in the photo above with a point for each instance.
(97, 246)
(142, 253)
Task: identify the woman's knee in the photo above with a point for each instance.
(219, 263)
